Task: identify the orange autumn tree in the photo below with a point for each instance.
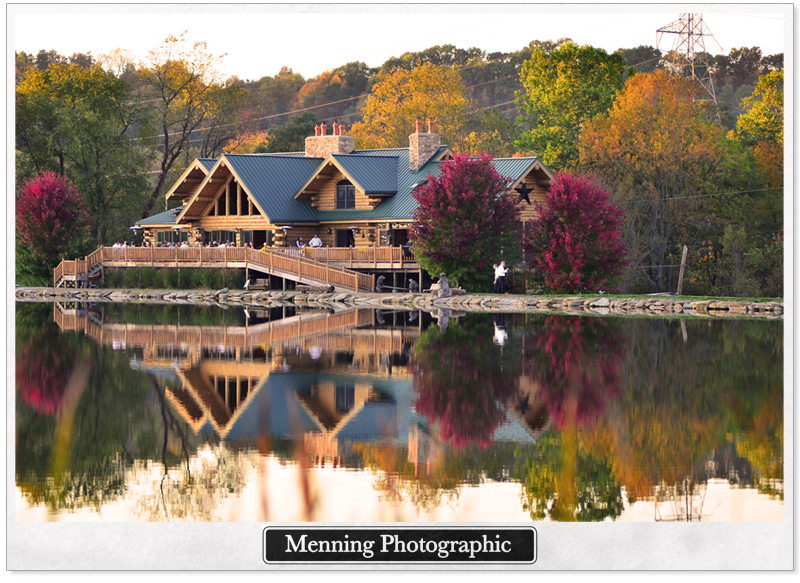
(660, 153)
(400, 97)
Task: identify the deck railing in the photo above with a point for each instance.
(350, 255)
(296, 263)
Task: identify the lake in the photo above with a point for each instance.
(141, 412)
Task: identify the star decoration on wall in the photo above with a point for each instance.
(524, 191)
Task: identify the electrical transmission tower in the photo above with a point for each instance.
(688, 57)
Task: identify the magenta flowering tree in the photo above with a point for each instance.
(51, 225)
(463, 381)
(576, 243)
(465, 221)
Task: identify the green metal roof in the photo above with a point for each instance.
(208, 163)
(165, 218)
(375, 174)
(274, 180)
(513, 168)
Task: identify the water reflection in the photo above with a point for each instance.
(187, 413)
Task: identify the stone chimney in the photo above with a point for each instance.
(321, 146)
(422, 146)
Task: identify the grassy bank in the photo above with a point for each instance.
(171, 278)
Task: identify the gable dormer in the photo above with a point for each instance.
(351, 182)
(188, 182)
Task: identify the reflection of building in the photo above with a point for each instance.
(424, 450)
(529, 408)
(324, 380)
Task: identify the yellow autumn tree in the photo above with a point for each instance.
(246, 143)
(400, 97)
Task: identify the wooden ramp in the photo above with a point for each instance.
(295, 268)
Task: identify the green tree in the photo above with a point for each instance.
(186, 90)
(564, 90)
(80, 122)
(271, 96)
(290, 137)
(641, 59)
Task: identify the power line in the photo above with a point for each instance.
(294, 111)
(715, 194)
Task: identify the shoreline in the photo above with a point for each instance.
(568, 304)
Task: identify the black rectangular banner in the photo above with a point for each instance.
(400, 545)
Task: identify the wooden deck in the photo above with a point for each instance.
(339, 331)
(327, 266)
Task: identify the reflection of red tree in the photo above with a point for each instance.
(461, 382)
(577, 365)
(43, 370)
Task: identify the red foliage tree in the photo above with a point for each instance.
(576, 242)
(51, 223)
(463, 220)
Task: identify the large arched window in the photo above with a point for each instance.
(345, 195)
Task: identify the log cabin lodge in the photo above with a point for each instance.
(359, 203)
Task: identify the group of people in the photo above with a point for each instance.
(314, 243)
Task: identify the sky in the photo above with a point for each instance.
(311, 38)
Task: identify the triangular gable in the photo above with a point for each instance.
(442, 153)
(272, 181)
(185, 186)
(517, 169)
(322, 169)
(208, 190)
(374, 175)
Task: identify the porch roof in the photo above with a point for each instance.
(167, 218)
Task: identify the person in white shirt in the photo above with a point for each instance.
(315, 242)
(500, 278)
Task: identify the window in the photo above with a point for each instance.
(171, 236)
(227, 237)
(345, 195)
(345, 397)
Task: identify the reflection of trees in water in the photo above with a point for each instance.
(192, 491)
(44, 365)
(762, 444)
(576, 362)
(400, 482)
(567, 484)
(686, 403)
(462, 379)
(681, 501)
(75, 452)
(427, 487)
